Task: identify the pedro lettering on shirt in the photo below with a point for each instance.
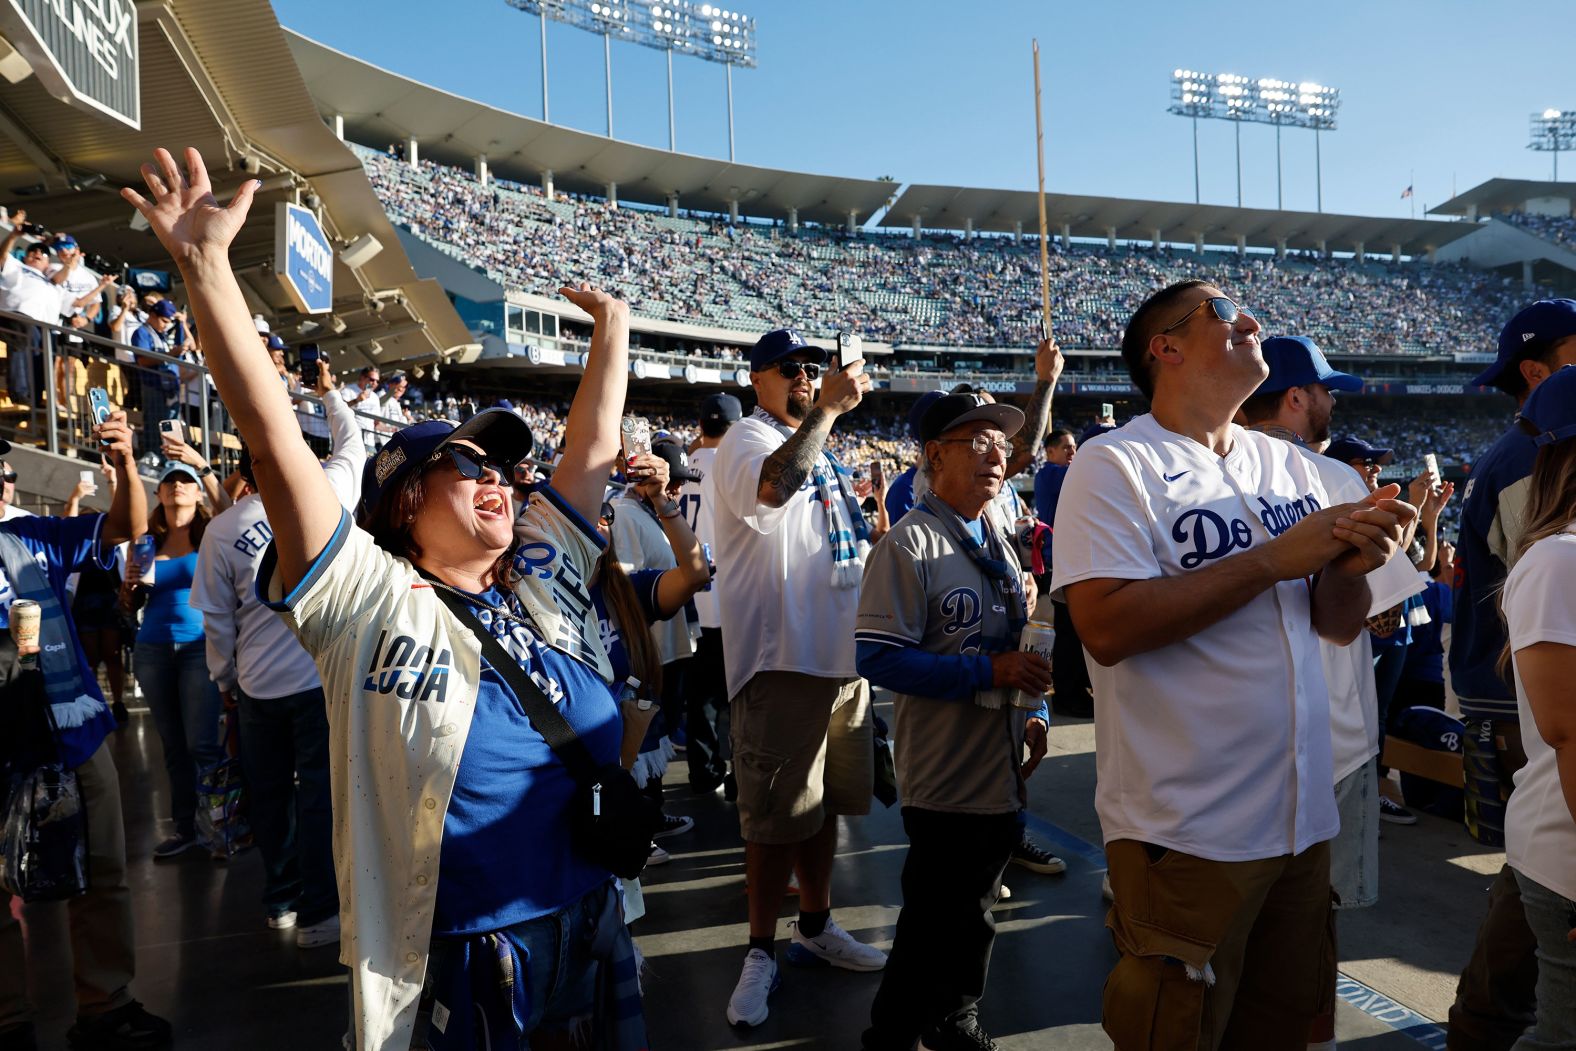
(1211, 536)
(254, 539)
(405, 669)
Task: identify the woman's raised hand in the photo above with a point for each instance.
(186, 217)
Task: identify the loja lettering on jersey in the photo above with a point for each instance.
(407, 670)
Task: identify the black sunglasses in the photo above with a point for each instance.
(472, 464)
(1225, 310)
(790, 370)
(9, 476)
(608, 513)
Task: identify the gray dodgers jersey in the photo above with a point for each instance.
(920, 589)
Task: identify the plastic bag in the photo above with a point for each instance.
(44, 844)
(221, 799)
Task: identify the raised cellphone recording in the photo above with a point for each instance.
(635, 431)
(173, 429)
(850, 348)
(311, 365)
(98, 402)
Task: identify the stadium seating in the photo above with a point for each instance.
(1559, 229)
(937, 290)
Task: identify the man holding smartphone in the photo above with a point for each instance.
(160, 379)
(788, 589)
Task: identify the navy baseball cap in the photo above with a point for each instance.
(779, 343)
(953, 410)
(1549, 414)
(1348, 449)
(916, 412)
(163, 308)
(1297, 361)
(721, 408)
(1094, 430)
(672, 450)
(1528, 333)
(275, 343)
(501, 434)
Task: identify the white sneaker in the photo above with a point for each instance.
(834, 947)
(318, 934)
(1006, 893)
(757, 982)
(282, 921)
(1105, 888)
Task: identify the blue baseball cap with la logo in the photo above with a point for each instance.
(780, 343)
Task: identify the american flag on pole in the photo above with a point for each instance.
(1406, 193)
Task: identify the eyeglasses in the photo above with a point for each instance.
(790, 370)
(1225, 310)
(9, 477)
(982, 444)
(608, 514)
(472, 464)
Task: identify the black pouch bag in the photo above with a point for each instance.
(611, 821)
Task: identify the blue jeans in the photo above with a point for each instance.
(284, 751)
(185, 706)
(1552, 917)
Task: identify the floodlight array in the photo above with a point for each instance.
(707, 31)
(1264, 100)
(1553, 130)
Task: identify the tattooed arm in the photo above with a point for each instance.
(786, 469)
(1047, 369)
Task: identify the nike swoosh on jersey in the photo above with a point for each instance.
(1173, 477)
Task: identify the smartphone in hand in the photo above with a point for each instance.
(174, 430)
(311, 365)
(98, 403)
(850, 348)
(635, 432)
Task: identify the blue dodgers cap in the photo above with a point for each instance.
(163, 308)
(779, 343)
(1348, 449)
(1297, 361)
(64, 241)
(1549, 414)
(275, 343)
(721, 408)
(917, 411)
(1526, 334)
(500, 433)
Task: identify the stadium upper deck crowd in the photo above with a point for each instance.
(940, 290)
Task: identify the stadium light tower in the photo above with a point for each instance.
(705, 31)
(1230, 96)
(1553, 130)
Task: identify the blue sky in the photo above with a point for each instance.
(928, 91)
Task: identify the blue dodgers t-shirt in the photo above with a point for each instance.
(900, 496)
(1047, 493)
(168, 615)
(1477, 636)
(1425, 656)
(61, 547)
(506, 856)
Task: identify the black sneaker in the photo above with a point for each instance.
(1395, 813)
(730, 788)
(968, 1038)
(672, 825)
(176, 844)
(126, 1028)
(122, 716)
(19, 1038)
(1036, 858)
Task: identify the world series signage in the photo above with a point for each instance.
(84, 52)
(303, 258)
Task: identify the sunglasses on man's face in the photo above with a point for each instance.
(790, 370)
(1223, 309)
(9, 477)
(472, 464)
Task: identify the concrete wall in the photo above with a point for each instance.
(45, 480)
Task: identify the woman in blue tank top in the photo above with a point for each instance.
(171, 662)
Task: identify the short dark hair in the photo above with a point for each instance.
(1261, 407)
(1511, 381)
(1143, 326)
(1057, 435)
(715, 427)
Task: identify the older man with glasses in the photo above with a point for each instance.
(788, 589)
(1202, 564)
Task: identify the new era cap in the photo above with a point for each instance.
(779, 343)
(916, 412)
(1349, 449)
(672, 450)
(1549, 414)
(1526, 334)
(1296, 361)
(501, 434)
(954, 410)
(721, 408)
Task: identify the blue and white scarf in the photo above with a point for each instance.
(847, 535)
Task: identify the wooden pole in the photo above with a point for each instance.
(1045, 252)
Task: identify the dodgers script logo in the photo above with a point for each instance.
(1211, 536)
(961, 607)
(407, 670)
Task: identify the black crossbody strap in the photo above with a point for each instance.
(543, 713)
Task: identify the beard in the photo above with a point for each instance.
(1319, 428)
(798, 406)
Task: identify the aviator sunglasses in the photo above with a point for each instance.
(1224, 310)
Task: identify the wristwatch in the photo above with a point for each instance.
(204, 471)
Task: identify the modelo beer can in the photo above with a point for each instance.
(1037, 638)
(26, 618)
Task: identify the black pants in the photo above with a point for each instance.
(1496, 996)
(935, 975)
(1072, 695)
(705, 702)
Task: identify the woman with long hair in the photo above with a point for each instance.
(1539, 603)
(452, 821)
(171, 653)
